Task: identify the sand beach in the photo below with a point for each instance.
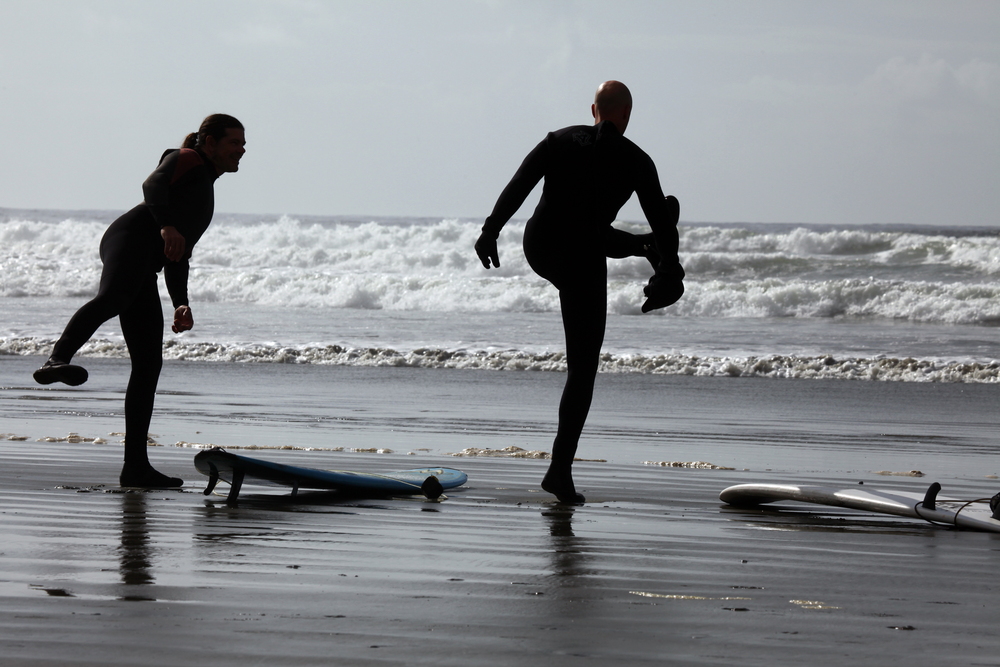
(654, 569)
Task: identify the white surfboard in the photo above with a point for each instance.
(972, 514)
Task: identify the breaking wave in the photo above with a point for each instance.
(943, 276)
(773, 366)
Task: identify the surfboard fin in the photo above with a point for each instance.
(213, 479)
(930, 498)
(235, 485)
(432, 488)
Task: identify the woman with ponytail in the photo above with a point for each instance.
(159, 233)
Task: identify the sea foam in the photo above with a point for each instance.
(937, 276)
(771, 366)
(853, 295)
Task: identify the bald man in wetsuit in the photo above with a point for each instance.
(590, 172)
(158, 234)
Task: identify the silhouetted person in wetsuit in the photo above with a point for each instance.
(159, 233)
(590, 172)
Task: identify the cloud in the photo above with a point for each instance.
(982, 78)
(933, 79)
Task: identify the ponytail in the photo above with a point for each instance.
(213, 126)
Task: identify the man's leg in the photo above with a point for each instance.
(142, 324)
(584, 312)
(619, 244)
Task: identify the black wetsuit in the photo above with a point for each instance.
(179, 193)
(590, 171)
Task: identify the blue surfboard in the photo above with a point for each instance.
(234, 469)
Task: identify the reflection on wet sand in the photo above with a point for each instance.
(134, 554)
(567, 554)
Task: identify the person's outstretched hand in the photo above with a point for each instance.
(183, 319)
(486, 248)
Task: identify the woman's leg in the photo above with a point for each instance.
(125, 260)
(142, 324)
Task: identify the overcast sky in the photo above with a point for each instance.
(837, 112)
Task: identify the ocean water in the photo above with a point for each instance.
(893, 303)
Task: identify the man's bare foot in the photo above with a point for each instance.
(561, 486)
(662, 291)
(147, 477)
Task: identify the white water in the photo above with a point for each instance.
(776, 300)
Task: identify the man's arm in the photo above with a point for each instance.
(666, 286)
(525, 179)
(662, 213)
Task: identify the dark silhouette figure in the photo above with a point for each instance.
(159, 233)
(590, 172)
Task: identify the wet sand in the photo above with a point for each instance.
(653, 570)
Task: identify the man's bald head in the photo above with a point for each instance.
(612, 102)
